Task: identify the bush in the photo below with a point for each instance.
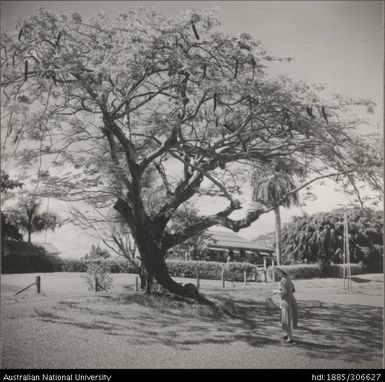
(320, 237)
(74, 265)
(299, 271)
(22, 257)
(371, 257)
(115, 264)
(210, 270)
(98, 275)
(309, 271)
(337, 270)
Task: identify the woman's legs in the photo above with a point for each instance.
(289, 335)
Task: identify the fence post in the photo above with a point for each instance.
(264, 270)
(245, 277)
(198, 281)
(223, 278)
(38, 284)
(136, 283)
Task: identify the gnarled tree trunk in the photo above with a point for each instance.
(146, 234)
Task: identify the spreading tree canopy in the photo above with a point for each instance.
(114, 100)
(320, 237)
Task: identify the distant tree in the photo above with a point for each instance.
(112, 99)
(8, 230)
(7, 183)
(274, 188)
(27, 217)
(319, 238)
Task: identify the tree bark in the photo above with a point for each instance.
(29, 236)
(278, 234)
(147, 235)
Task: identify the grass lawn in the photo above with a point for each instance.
(67, 326)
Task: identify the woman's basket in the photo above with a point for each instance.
(270, 304)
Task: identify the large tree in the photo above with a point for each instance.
(320, 237)
(115, 99)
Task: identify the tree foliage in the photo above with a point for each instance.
(319, 238)
(27, 217)
(8, 230)
(114, 100)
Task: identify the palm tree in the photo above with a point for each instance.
(28, 218)
(273, 189)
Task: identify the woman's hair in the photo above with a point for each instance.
(282, 271)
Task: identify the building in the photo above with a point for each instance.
(228, 246)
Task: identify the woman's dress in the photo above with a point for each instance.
(289, 312)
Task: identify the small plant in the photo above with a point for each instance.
(98, 276)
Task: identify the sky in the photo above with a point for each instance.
(336, 43)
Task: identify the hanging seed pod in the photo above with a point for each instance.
(236, 69)
(204, 71)
(13, 60)
(195, 30)
(309, 111)
(215, 101)
(26, 70)
(54, 80)
(20, 34)
(324, 115)
(253, 64)
(58, 39)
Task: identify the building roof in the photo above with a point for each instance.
(50, 248)
(230, 240)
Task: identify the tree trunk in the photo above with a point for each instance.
(278, 234)
(145, 233)
(155, 265)
(143, 277)
(29, 236)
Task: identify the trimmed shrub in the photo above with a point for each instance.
(25, 257)
(337, 270)
(98, 275)
(210, 270)
(309, 271)
(371, 258)
(299, 271)
(115, 264)
(74, 265)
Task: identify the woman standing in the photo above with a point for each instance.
(288, 304)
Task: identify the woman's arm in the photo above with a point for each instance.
(284, 286)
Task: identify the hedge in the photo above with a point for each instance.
(308, 271)
(74, 265)
(211, 270)
(116, 265)
(299, 271)
(28, 258)
(337, 270)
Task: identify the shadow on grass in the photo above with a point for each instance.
(326, 331)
